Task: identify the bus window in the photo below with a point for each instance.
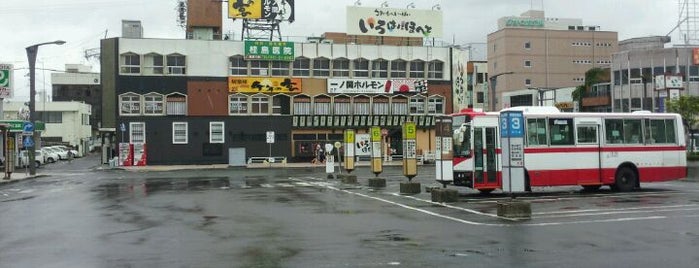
(561, 131)
(614, 130)
(632, 131)
(536, 131)
(660, 131)
(587, 134)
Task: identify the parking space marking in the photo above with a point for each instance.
(518, 223)
(615, 212)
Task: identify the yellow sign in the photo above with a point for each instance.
(245, 9)
(349, 136)
(565, 105)
(409, 131)
(263, 85)
(375, 134)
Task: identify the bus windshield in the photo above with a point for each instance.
(462, 140)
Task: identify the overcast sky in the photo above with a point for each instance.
(82, 23)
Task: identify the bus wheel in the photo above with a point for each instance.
(485, 191)
(625, 180)
(591, 188)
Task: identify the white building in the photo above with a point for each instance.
(66, 122)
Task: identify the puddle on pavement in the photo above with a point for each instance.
(154, 185)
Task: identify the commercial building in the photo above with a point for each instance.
(644, 73)
(78, 83)
(65, 123)
(207, 100)
(534, 51)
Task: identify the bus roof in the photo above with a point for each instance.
(533, 109)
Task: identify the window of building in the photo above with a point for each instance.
(321, 67)
(259, 67)
(435, 105)
(259, 104)
(362, 105)
(527, 45)
(399, 105)
(130, 63)
(341, 67)
(417, 69)
(360, 67)
(137, 132)
(49, 117)
(176, 104)
(342, 105)
(179, 132)
(379, 68)
(280, 68)
(527, 82)
(237, 104)
(238, 65)
(480, 97)
(380, 106)
(216, 130)
(302, 105)
(527, 63)
(561, 131)
(153, 64)
(153, 104)
(176, 64)
(398, 69)
(130, 104)
(321, 105)
(417, 105)
(302, 66)
(435, 69)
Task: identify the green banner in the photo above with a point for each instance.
(269, 50)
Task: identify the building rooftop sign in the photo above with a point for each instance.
(269, 50)
(524, 22)
(394, 22)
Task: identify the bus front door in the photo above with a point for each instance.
(485, 158)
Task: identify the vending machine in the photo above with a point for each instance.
(139, 154)
(125, 154)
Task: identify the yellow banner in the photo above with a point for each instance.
(263, 85)
(245, 9)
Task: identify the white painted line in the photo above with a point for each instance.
(615, 213)
(611, 209)
(498, 224)
(453, 207)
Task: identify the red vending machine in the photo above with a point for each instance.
(139, 154)
(125, 154)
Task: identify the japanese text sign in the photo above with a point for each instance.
(394, 22)
(263, 85)
(269, 50)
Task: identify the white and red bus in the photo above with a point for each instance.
(620, 150)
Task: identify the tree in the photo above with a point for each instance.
(592, 76)
(688, 108)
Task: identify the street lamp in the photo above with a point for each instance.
(493, 82)
(31, 55)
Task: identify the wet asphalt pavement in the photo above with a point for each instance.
(78, 216)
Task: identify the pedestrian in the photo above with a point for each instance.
(70, 156)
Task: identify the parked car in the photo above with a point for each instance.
(68, 149)
(24, 158)
(50, 154)
(62, 153)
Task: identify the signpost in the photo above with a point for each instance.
(512, 140)
(270, 140)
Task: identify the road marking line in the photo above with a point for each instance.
(615, 213)
(611, 209)
(497, 224)
(453, 207)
